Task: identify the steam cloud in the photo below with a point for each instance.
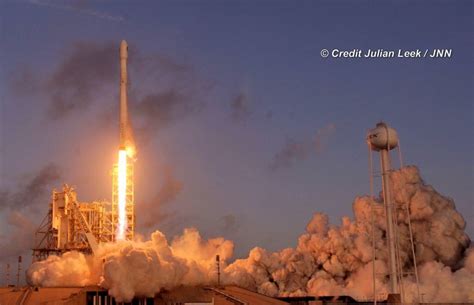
(134, 268)
(328, 260)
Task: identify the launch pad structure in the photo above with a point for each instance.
(71, 225)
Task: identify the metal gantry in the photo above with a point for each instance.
(72, 225)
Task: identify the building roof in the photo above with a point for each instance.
(65, 295)
(32, 295)
(247, 297)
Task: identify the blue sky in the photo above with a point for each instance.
(266, 52)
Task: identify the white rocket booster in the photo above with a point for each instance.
(126, 135)
(123, 94)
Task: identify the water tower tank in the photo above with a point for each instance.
(382, 137)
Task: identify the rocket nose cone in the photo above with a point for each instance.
(123, 49)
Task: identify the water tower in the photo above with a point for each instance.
(383, 139)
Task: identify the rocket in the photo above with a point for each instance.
(126, 136)
(123, 94)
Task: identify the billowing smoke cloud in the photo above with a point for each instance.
(328, 259)
(331, 260)
(298, 150)
(139, 268)
(31, 191)
(152, 212)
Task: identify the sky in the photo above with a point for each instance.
(243, 129)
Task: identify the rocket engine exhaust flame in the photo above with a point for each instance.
(122, 195)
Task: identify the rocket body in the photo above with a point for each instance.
(123, 94)
(127, 141)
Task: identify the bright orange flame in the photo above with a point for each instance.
(131, 151)
(122, 195)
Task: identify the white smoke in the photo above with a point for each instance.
(328, 260)
(130, 268)
(337, 260)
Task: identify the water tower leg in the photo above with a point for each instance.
(385, 164)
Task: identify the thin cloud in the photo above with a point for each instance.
(79, 9)
(229, 223)
(153, 211)
(19, 236)
(32, 191)
(290, 153)
(322, 136)
(240, 107)
(295, 150)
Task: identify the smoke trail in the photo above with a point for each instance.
(152, 212)
(29, 191)
(328, 259)
(296, 150)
